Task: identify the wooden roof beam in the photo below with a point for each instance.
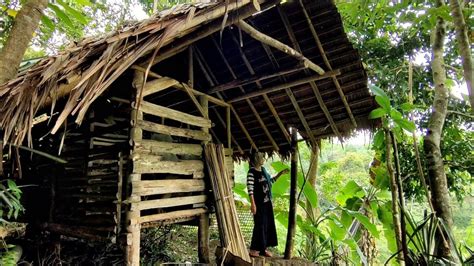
(212, 83)
(279, 45)
(284, 86)
(267, 101)
(178, 85)
(313, 85)
(328, 65)
(254, 78)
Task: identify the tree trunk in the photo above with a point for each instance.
(435, 165)
(313, 212)
(26, 22)
(463, 45)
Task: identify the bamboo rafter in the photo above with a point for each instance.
(265, 96)
(285, 85)
(211, 80)
(328, 65)
(313, 85)
(290, 95)
(252, 107)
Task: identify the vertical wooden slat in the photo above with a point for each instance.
(229, 133)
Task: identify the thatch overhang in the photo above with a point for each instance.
(269, 90)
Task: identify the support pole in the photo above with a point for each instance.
(203, 230)
(293, 191)
(132, 251)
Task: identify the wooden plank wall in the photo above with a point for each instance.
(169, 160)
(88, 192)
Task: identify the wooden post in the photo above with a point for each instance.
(229, 131)
(293, 191)
(203, 230)
(1, 155)
(132, 253)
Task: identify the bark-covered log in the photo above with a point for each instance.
(463, 45)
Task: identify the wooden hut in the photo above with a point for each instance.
(129, 111)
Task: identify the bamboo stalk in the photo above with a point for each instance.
(229, 228)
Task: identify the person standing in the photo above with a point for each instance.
(259, 187)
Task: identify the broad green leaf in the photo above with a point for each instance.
(384, 102)
(381, 177)
(61, 15)
(376, 113)
(47, 22)
(337, 230)
(83, 2)
(350, 190)
(378, 91)
(379, 139)
(73, 12)
(395, 114)
(405, 124)
(364, 220)
(407, 107)
(281, 186)
(279, 166)
(241, 191)
(308, 191)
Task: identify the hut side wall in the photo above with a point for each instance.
(85, 194)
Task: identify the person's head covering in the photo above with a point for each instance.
(255, 158)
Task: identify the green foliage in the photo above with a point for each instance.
(10, 195)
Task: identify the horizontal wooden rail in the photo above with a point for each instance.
(174, 131)
(168, 202)
(172, 215)
(157, 110)
(157, 85)
(158, 187)
(154, 147)
(151, 166)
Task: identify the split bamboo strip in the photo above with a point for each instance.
(228, 224)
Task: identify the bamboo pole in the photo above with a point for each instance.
(293, 191)
(287, 85)
(279, 45)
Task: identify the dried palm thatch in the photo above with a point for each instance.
(86, 69)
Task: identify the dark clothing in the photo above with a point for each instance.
(264, 231)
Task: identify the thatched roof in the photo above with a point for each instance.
(269, 90)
